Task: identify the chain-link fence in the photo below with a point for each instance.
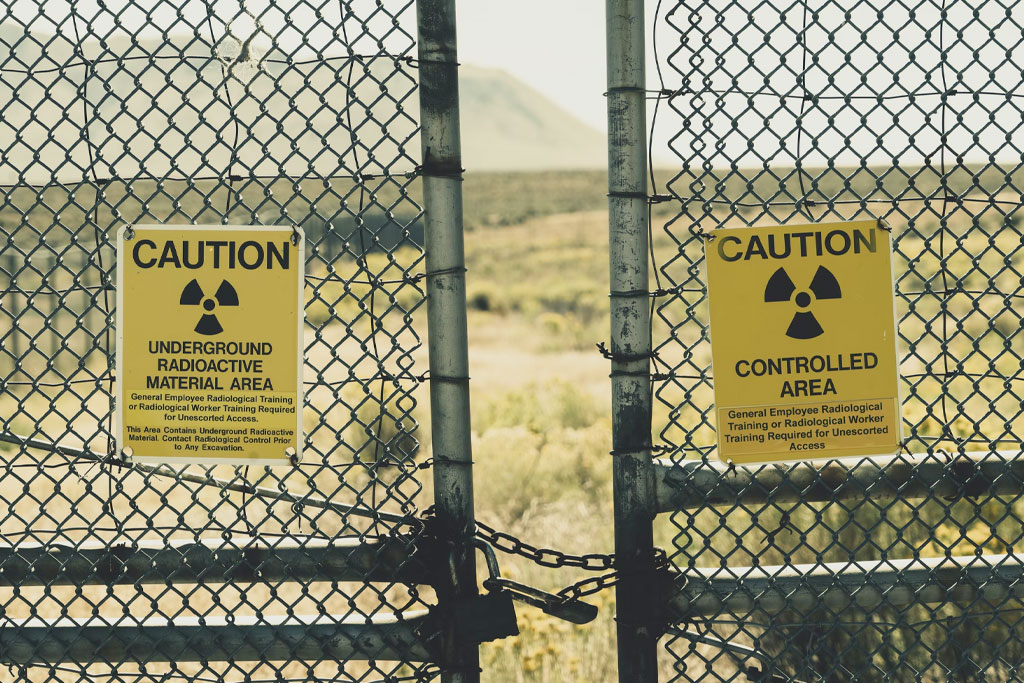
(899, 568)
(305, 113)
(211, 111)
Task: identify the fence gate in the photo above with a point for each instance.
(233, 112)
(305, 114)
(892, 568)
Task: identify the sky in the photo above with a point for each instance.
(558, 48)
(528, 39)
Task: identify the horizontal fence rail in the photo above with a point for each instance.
(991, 580)
(691, 484)
(210, 561)
(242, 639)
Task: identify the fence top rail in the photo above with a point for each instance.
(698, 483)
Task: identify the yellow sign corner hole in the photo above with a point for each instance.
(803, 342)
(209, 343)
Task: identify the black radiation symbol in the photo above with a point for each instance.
(781, 288)
(193, 295)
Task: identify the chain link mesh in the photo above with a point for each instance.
(909, 112)
(213, 111)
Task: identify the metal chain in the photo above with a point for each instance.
(545, 557)
(588, 586)
(596, 584)
(548, 557)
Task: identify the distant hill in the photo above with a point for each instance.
(172, 117)
(507, 125)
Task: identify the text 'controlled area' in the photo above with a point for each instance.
(803, 342)
(821, 385)
(210, 344)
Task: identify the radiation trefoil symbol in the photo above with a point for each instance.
(781, 288)
(193, 295)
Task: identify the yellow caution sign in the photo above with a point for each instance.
(209, 343)
(803, 342)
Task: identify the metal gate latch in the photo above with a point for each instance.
(484, 618)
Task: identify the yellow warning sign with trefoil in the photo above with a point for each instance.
(209, 343)
(803, 342)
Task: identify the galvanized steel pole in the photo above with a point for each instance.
(446, 318)
(636, 594)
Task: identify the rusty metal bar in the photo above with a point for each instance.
(210, 561)
(988, 579)
(207, 639)
(693, 484)
(238, 485)
(447, 327)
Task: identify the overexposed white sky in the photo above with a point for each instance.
(557, 47)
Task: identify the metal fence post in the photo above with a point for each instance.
(446, 315)
(631, 343)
